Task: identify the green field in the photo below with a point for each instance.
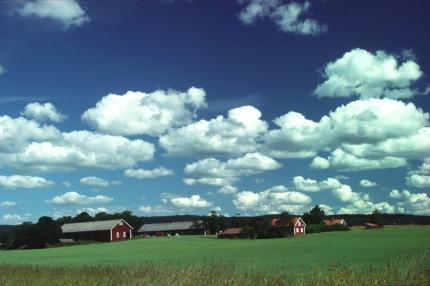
(390, 249)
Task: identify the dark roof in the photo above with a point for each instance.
(92, 225)
(171, 226)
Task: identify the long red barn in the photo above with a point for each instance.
(106, 230)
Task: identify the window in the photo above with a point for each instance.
(124, 234)
(117, 234)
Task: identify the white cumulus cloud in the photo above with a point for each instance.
(94, 181)
(66, 12)
(367, 183)
(416, 203)
(24, 182)
(195, 201)
(8, 204)
(148, 174)
(74, 198)
(290, 18)
(136, 113)
(273, 200)
(215, 172)
(365, 74)
(42, 112)
(80, 149)
(236, 134)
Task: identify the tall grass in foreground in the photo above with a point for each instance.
(414, 270)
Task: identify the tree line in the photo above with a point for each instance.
(47, 231)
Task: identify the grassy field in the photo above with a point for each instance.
(399, 255)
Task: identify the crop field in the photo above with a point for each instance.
(390, 256)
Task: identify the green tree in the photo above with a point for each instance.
(284, 219)
(83, 217)
(214, 222)
(103, 216)
(50, 230)
(376, 218)
(315, 216)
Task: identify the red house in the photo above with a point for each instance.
(106, 230)
(296, 225)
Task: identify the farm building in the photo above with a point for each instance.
(296, 225)
(334, 221)
(106, 230)
(230, 233)
(369, 225)
(172, 228)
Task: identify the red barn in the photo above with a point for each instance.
(334, 221)
(106, 230)
(230, 233)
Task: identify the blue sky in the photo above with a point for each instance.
(182, 107)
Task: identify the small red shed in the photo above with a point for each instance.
(106, 230)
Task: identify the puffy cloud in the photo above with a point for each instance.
(195, 201)
(320, 163)
(137, 113)
(418, 181)
(290, 18)
(2, 69)
(420, 178)
(15, 218)
(305, 185)
(364, 74)
(227, 190)
(425, 167)
(344, 161)
(366, 207)
(8, 204)
(17, 133)
(416, 203)
(374, 132)
(74, 198)
(328, 210)
(148, 174)
(342, 191)
(297, 137)
(81, 149)
(236, 134)
(345, 194)
(310, 185)
(67, 12)
(272, 200)
(43, 112)
(367, 183)
(214, 172)
(94, 181)
(24, 182)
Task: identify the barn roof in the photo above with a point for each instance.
(170, 226)
(232, 231)
(293, 221)
(334, 221)
(92, 225)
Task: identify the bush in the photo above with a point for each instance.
(316, 228)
